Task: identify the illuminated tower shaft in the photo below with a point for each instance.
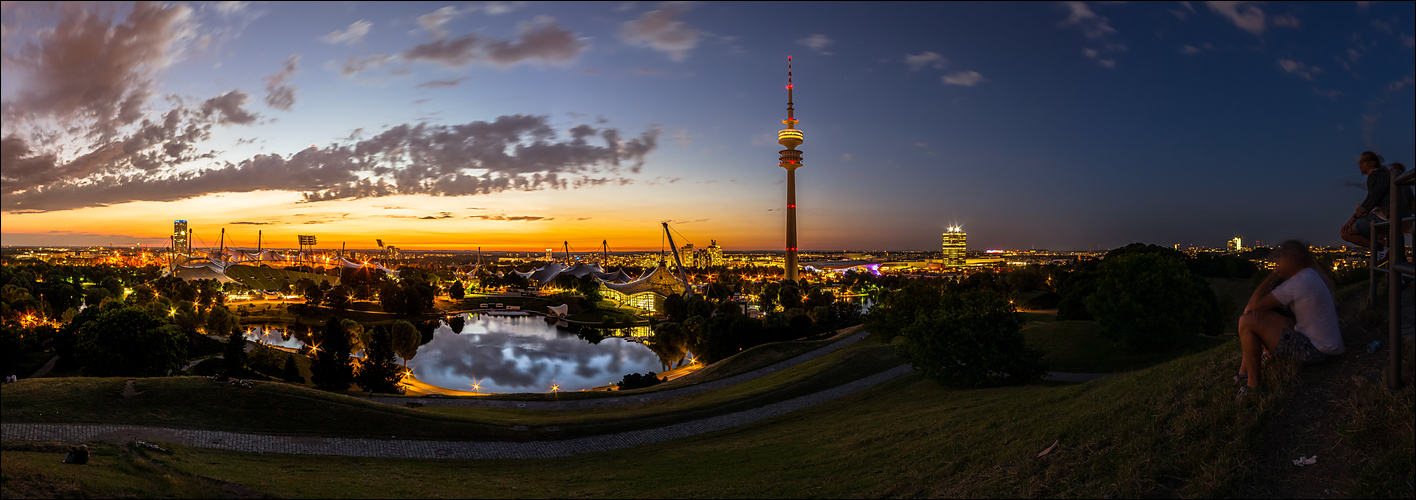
(790, 159)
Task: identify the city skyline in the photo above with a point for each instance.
(1063, 126)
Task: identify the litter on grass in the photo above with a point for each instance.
(1301, 461)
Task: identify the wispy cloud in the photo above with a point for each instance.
(1248, 16)
(1303, 71)
(817, 42)
(923, 59)
(349, 36)
(442, 84)
(964, 78)
(662, 31)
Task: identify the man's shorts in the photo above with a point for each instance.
(1363, 224)
(1296, 346)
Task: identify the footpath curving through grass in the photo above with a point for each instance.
(1170, 430)
(197, 403)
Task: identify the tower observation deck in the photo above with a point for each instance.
(790, 159)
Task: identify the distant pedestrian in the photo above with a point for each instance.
(78, 455)
(1358, 230)
(1310, 337)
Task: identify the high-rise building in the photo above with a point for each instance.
(689, 255)
(1235, 245)
(715, 254)
(956, 246)
(550, 254)
(180, 243)
(790, 159)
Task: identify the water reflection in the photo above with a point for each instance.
(512, 354)
(525, 354)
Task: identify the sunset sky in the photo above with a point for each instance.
(516, 126)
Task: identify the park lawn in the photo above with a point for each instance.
(1233, 296)
(278, 408)
(33, 470)
(1167, 431)
(1075, 346)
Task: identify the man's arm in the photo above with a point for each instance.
(1377, 187)
(1263, 298)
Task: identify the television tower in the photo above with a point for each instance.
(790, 159)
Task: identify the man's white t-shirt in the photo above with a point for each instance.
(1308, 295)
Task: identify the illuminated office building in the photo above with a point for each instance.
(956, 247)
(181, 245)
(1236, 245)
(715, 254)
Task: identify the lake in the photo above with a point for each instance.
(512, 354)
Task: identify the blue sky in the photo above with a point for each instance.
(1057, 125)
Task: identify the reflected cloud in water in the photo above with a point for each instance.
(524, 354)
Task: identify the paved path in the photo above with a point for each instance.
(44, 370)
(389, 448)
(480, 402)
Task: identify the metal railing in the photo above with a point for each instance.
(1396, 267)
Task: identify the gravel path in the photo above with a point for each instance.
(391, 448)
(44, 370)
(481, 402)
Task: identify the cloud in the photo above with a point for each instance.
(1183, 14)
(1304, 71)
(433, 21)
(817, 42)
(248, 223)
(1091, 24)
(847, 157)
(930, 59)
(513, 152)
(542, 41)
(1189, 49)
(349, 36)
(682, 137)
(514, 218)
(1402, 83)
(355, 65)
(1100, 55)
(662, 31)
(442, 84)
(1330, 94)
(1286, 21)
(94, 76)
(278, 94)
(227, 108)
(228, 8)
(965, 78)
(1408, 40)
(1246, 15)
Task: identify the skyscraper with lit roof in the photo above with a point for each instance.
(956, 247)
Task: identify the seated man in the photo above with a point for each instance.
(1311, 338)
(1358, 229)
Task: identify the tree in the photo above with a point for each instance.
(221, 323)
(291, 372)
(457, 291)
(1147, 301)
(406, 340)
(675, 308)
(314, 295)
(114, 287)
(235, 356)
(338, 297)
(971, 339)
(457, 323)
(379, 371)
(1074, 291)
(332, 370)
(898, 309)
(130, 342)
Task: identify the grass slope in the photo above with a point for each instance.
(1171, 430)
(193, 402)
(1075, 346)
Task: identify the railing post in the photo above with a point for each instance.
(1372, 267)
(1396, 249)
